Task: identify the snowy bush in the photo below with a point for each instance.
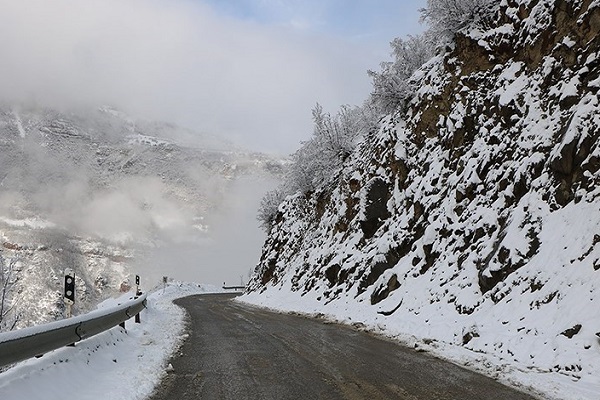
(336, 136)
(307, 168)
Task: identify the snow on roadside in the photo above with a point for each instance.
(116, 364)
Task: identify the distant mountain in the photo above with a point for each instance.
(91, 190)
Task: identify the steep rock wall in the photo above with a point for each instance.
(473, 218)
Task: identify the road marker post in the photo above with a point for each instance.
(137, 293)
(69, 293)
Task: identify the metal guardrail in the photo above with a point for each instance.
(234, 287)
(25, 343)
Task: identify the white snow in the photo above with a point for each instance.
(116, 364)
(19, 123)
(139, 139)
(567, 41)
(31, 223)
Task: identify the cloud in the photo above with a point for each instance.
(179, 61)
(230, 249)
(377, 22)
(250, 78)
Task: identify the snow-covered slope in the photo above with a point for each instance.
(470, 222)
(102, 193)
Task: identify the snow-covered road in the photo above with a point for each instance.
(239, 352)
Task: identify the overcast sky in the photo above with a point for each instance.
(250, 70)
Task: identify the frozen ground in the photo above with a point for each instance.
(116, 364)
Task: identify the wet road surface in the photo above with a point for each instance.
(238, 352)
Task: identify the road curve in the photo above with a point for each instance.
(238, 352)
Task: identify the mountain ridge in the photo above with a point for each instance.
(101, 193)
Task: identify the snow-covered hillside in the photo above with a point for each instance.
(469, 224)
(108, 196)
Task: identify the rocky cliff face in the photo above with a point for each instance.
(472, 218)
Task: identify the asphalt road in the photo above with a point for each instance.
(239, 352)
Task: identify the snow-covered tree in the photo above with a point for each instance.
(446, 17)
(317, 160)
(269, 205)
(334, 138)
(9, 317)
(337, 134)
(392, 88)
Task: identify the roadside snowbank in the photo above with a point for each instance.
(116, 364)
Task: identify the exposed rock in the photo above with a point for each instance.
(382, 293)
(375, 208)
(571, 331)
(332, 274)
(470, 334)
